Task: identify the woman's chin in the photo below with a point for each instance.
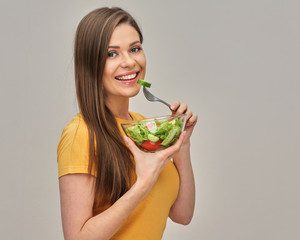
(133, 92)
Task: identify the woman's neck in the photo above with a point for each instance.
(119, 106)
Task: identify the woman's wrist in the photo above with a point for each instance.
(141, 187)
(186, 146)
(183, 154)
(184, 149)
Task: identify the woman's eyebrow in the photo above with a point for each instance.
(129, 44)
(133, 43)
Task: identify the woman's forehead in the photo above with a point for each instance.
(124, 34)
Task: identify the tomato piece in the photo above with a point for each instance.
(151, 146)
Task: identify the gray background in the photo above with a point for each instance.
(236, 64)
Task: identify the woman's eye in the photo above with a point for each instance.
(112, 54)
(135, 49)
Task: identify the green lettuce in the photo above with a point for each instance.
(138, 133)
(167, 131)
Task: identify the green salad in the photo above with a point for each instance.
(156, 134)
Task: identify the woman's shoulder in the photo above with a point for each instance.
(75, 130)
(76, 125)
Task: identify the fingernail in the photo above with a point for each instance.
(172, 107)
(125, 138)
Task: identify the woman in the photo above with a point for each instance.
(105, 194)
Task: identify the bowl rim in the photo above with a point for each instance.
(154, 118)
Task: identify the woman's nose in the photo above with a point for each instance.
(127, 61)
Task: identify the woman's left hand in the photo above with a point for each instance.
(191, 119)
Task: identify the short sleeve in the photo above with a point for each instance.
(73, 148)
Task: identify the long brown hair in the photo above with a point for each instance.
(109, 156)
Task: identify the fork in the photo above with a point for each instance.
(150, 97)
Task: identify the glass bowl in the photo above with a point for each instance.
(155, 134)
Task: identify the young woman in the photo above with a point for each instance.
(110, 189)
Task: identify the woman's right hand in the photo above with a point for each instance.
(149, 165)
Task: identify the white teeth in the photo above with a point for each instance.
(127, 77)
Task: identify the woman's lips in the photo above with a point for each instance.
(128, 78)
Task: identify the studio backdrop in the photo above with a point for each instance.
(235, 63)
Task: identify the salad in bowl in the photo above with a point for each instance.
(155, 134)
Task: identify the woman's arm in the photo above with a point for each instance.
(183, 208)
(77, 197)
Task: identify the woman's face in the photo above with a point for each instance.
(125, 64)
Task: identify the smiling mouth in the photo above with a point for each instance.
(127, 77)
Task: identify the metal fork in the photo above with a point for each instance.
(150, 97)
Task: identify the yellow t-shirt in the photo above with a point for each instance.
(148, 219)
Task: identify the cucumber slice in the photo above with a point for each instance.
(176, 136)
(144, 83)
(170, 137)
(152, 138)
